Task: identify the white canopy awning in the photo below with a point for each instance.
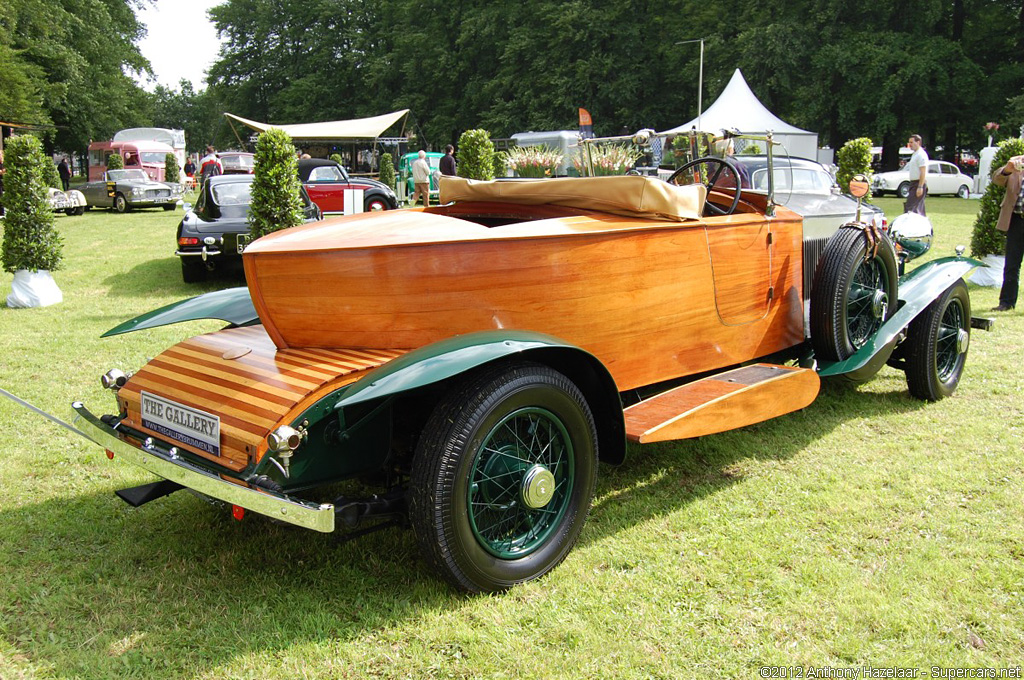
(357, 128)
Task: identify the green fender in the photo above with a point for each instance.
(917, 290)
(454, 356)
(233, 305)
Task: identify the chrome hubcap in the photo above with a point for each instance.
(879, 304)
(963, 339)
(538, 487)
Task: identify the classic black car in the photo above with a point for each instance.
(125, 190)
(331, 188)
(213, 234)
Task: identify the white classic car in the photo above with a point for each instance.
(942, 178)
(70, 202)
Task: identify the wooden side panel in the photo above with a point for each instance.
(722, 402)
(642, 300)
(251, 394)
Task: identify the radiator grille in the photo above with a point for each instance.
(813, 250)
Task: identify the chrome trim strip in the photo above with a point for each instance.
(168, 465)
(199, 253)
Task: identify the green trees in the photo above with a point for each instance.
(171, 170)
(854, 159)
(30, 240)
(276, 203)
(476, 155)
(387, 170)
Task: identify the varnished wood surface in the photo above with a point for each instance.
(720, 403)
(251, 394)
(651, 300)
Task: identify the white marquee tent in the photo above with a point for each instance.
(738, 108)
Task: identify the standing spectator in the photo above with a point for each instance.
(210, 165)
(421, 179)
(447, 164)
(917, 168)
(1011, 220)
(190, 167)
(65, 173)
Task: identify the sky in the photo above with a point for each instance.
(180, 42)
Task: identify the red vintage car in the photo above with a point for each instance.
(331, 188)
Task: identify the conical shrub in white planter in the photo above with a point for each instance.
(32, 248)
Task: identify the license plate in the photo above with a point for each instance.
(182, 423)
(240, 244)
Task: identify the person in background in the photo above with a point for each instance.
(421, 179)
(447, 164)
(1011, 220)
(190, 167)
(210, 165)
(917, 168)
(65, 173)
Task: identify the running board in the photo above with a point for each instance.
(722, 402)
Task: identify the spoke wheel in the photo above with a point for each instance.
(716, 174)
(938, 340)
(852, 294)
(503, 477)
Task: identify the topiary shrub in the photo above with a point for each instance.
(276, 202)
(52, 177)
(854, 159)
(985, 238)
(336, 157)
(171, 173)
(476, 155)
(115, 162)
(387, 170)
(30, 240)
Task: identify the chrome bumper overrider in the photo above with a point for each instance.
(166, 464)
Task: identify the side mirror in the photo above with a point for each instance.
(859, 186)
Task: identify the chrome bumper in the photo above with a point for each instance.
(166, 464)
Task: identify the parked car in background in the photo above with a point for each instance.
(331, 188)
(405, 172)
(942, 178)
(213, 234)
(70, 202)
(237, 162)
(124, 190)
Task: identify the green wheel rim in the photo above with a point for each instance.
(866, 302)
(948, 345)
(524, 443)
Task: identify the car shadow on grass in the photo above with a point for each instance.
(176, 587)
(163, 276)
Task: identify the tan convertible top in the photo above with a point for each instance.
(629, 195)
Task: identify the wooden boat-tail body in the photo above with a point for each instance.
(651, 299)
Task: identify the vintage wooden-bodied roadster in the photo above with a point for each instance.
(478, 359)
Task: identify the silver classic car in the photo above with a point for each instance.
(124, 190)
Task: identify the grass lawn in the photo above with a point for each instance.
(869, 529)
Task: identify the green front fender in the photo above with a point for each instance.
(458, 355)
(917, 290)
(233, 305)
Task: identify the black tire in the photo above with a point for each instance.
(120, 203)
(964, 191)
(851, 297)
(376, 204)
(169, 206)
(193, 270)
(483, 536)
(904, 190)
(937, 344)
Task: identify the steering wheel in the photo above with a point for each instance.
(713, 173)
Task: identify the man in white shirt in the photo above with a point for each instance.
(421, 179)
(917, 168)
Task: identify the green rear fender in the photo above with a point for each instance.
(233, 305)
(447, 359)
